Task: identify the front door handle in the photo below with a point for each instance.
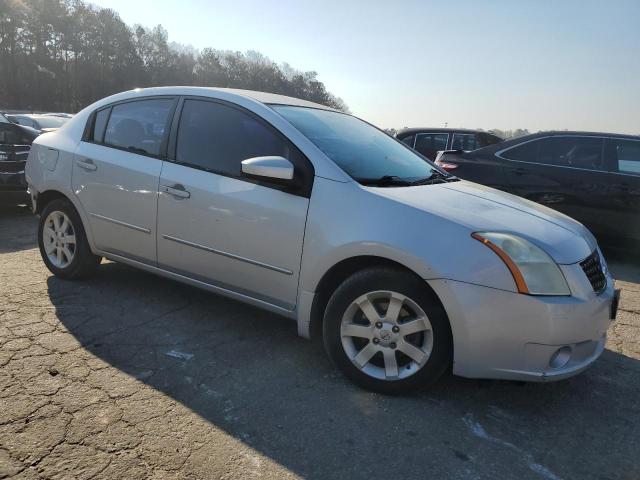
(520, 171)
(176, 190)
(87, 164)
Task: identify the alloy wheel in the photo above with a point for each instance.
(59, 239)
(386, 335)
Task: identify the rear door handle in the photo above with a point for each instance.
(520, 171)
(176, 190)
(87, 165)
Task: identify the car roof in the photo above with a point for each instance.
(410, 131)
(262, 97)
(551, 133)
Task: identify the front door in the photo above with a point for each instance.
(116, 174)
(566, 173)
(216, 225)
(624, 164)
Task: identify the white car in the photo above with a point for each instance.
(316, 215)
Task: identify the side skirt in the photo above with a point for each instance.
(203, 285)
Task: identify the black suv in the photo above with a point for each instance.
(15, 142)
(429, 141)
(592, 177)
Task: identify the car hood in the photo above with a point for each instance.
(481, 208)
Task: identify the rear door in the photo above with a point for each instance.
(116, 173)
(564, 172)
(218, 226)
(624, 164)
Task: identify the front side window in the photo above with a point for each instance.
(217, 137)
(139, 126)
(577, 152)
(429, 144)
(627, 155)
(464, 141)
(361, 150)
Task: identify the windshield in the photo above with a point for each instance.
(361, 150)
(51, 122)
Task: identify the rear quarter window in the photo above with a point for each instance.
(526, 152)
(408, 140)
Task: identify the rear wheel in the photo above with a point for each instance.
(386, 331)
(63, 242)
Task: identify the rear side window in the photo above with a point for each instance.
(627, 155)
(577, 152)
(139, 126)
(217, 137)
(428, 144)
(464, 141)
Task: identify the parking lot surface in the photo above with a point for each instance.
(129, 375)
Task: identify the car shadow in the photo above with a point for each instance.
(246, 371)
(16, 216)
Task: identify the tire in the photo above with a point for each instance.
(351, 337)
(54, 236)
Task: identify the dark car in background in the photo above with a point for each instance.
(429, 141)
(15, 143)
(592, 177)
(40, 122)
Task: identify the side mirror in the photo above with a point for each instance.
(268, 167)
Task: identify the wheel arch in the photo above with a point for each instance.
(339, 272)
(47, 196)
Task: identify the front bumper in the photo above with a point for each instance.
(506, 335)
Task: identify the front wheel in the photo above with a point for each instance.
(387, 332)
(63, 242)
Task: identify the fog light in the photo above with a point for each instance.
(560, 357)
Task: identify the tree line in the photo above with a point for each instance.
(62, 55)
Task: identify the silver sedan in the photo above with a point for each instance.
(403, 269)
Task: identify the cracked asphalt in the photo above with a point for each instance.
(128, 375)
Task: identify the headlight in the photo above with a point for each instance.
(534, 271)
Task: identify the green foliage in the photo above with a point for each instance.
(61, 55)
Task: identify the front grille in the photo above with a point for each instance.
(592, 268)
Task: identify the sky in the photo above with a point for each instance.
(535, 64)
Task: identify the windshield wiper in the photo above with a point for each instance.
(385, 181)
(435, 177)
